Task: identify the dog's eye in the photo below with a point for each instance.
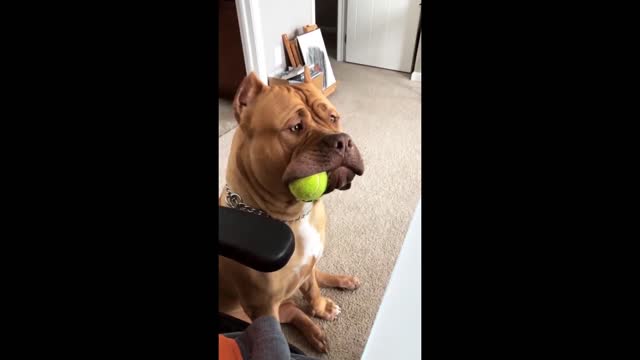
(333, 118)
(296, 128)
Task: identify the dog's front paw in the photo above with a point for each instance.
(325, 308)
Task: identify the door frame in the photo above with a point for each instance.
(251, 35)
(342, 30)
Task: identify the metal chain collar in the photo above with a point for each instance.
(234, 201)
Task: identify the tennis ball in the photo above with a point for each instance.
(309, 188)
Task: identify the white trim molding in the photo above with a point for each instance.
(251, 34)
(416, 76)
(342, 22)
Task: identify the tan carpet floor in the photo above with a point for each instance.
(367, 224)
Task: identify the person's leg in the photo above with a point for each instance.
(263, 340)
(293, 349)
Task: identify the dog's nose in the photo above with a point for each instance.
(342, 142)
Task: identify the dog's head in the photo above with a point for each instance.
(289, 132)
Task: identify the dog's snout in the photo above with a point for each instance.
(341, 142)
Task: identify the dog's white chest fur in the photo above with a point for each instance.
(309, 239)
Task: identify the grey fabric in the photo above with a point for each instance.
(264, 340)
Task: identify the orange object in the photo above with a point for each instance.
(309, 28)
(288, 50)
(228, 349)
(296, 52)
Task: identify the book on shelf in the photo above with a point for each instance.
(290, 72)
(299, 79)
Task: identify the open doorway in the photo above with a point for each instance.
(327, 21)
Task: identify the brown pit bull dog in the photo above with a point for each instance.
(285, 133)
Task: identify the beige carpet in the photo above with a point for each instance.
(367, 224)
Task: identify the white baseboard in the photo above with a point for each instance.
(342, 9)
(416, 76)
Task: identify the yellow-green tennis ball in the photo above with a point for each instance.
(309, 188)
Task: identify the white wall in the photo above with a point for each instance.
(279, 17)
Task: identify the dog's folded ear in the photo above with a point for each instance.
(249, 88)
(307, 74)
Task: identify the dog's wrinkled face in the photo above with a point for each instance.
(291, 132)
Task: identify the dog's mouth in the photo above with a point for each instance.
(340, 178)
(341, 168)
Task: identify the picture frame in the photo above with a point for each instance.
(314, 53)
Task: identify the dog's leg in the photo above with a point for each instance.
(256, 310)
(239, 313)
(337, 281)
(256, 304)
(290, 313)
(321, 306)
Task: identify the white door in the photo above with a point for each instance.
(382, 33)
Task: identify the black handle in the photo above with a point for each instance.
(253, 240)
